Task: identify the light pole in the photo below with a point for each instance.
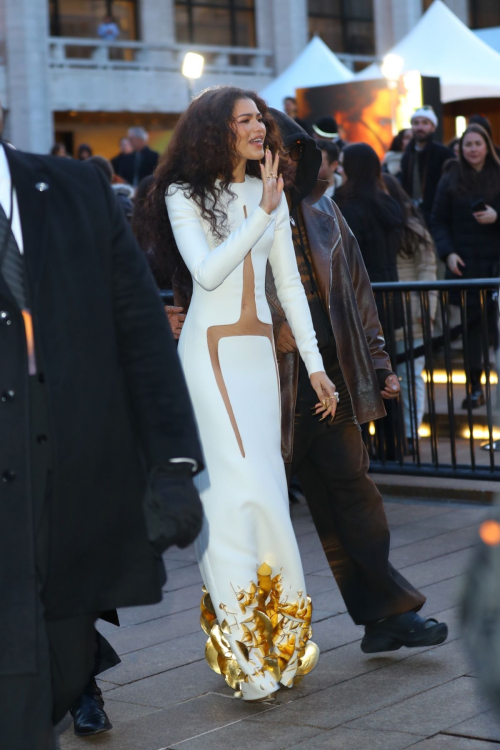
(391, 68)
(192, 68)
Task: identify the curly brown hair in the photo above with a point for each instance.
(201, 157)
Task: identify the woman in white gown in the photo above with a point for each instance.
(227, 223)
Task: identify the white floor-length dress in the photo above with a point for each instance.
(255, 610)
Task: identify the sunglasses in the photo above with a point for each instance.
(295, 152)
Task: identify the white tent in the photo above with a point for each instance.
(490, 36)
(315, 66)
(441, 45)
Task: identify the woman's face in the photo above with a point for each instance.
(475, 150)
(250, 130)
(407, 136)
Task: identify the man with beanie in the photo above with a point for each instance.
(423, 161)
(330, 459)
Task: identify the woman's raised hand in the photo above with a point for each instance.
(272, 183)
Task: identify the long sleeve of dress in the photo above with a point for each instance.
(291, 292)
(210, 267)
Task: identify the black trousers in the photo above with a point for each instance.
(68, 652)
(331, 463)
(476, 339)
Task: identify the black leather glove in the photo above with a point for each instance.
(172, 507)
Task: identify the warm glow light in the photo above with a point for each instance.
(481, 433)
(424, 430)
(458, 377)
(391, 67)
(489, 531)
(192, 66)
(371, 428)
(460, 125)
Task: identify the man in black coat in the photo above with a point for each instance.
(423, 161)
(98, 441)
(141, 162)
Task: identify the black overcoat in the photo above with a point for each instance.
(117, 400)
(125, 167)
(431, 161)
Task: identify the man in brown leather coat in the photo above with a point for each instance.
(330, 460)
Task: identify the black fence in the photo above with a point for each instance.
(443, 340)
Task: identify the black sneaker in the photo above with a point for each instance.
(476, 400)
(408, 630)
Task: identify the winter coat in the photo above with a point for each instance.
(431, 162)
(117, 402)
(344, 288)
(375, 223)
(455, 230)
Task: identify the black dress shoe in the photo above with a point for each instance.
(88, 712)
(476, 400)
(408, 630)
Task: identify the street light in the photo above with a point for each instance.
(392, 66)
(192, 68)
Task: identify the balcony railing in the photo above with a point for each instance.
(73, 52)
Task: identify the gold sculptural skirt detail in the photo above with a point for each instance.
(275, 634)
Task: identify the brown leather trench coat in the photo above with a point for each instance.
(346, 293)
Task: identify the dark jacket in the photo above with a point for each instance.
(345, 291)
(431, 161)
(118, 163)
(125, 165)
(117, 401)
(376, 225)
(455, 230)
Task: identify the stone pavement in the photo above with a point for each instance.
(164, 696)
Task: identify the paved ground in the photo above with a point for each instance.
(164, 696)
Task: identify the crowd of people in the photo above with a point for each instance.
(427, 210)
(165, 447)
(409, 228)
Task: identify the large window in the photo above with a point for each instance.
(484, 13)
(227, 23)
(81, 18)
(345, 25)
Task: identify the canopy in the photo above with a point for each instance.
(315, 66)
(440, 45)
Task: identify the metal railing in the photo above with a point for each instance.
(434, 331)
(451, 347)
(76, 52)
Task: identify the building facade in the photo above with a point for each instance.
(65, 76)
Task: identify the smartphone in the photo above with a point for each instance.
(478, 205)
